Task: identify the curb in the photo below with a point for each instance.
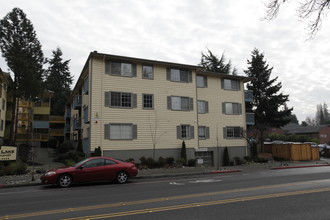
(303, 166)
(224, 171)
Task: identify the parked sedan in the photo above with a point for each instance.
(90, 170)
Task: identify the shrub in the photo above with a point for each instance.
(226, 161)
(170, 161)
(15, 168)
(238, 161)
(192, 162)
(162, 162)
(24, 152)
(184, 152)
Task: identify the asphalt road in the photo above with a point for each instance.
(264, 194)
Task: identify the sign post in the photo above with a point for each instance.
(8, 153)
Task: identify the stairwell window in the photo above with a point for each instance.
(147, 72)
(203, 107)
(203, 132)
(201, 81)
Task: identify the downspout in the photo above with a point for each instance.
(197, 117)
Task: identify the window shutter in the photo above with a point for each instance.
(225, 133)
(169, 103)
(191, 104)
(222, 83)
(205, 81)
(224, 108)
(133, 70)
(207, 133)
(239, 109)
(134, 131)
(189, 76)
(192, 132)
(107, 131)
(178, 132)
(107, 99)
(107, 67)
(206, 107)
(241, 132)
(134, 101)
(168, 74)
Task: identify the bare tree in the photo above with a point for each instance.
(312, 10)
(155, 135)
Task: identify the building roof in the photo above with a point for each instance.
(304, 129)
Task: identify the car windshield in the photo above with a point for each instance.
(78, 164)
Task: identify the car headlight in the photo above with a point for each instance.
(50, 173)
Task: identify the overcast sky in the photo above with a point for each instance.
(178, 31)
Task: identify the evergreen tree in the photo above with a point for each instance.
(22, 51)
(212, 63)
(59, 81)
(184, 152)
(268, 104)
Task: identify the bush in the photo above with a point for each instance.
(162, 162)
(226, 161)
(15, 168)
(192, 162)
(24, 152)
(170, 161)
(65, 147)
(238, 161)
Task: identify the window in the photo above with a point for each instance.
(147, 72)
(179, 75)
(120, 69)
(231, 108)
(109, 162)
(233, 132)
(120, 99)
(185, 132)
(230, 84)
(180, 103)
(203, 132)
(148, 101)
(120, 131)
(86, 119)
(203, 107)
(94, 163)
(86, 85)
(201, 81)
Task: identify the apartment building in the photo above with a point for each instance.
(5, 80)
(132, 107)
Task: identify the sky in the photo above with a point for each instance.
(179, 31)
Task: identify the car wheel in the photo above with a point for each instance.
(122, 177)
(64, 180)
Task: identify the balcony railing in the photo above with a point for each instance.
(56, 132)
(56, 119)
(250, 119)
(77, 102)
(248, 95)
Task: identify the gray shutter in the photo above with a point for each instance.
(107, 99)
(225, 133)
(107, 67)
(189, 76)
(133, 70)
(241, 132)
(192, 132)
(239, 108)
(222, 84)
(169, 102)
(134, 100)
(206, 107)
(207, 133)
(134, 131)
(168, 74)
(191, 104)
(107, 131)
(205, 81)
(178, 132)
(224, 108)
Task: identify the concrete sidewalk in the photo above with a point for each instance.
(24, 180)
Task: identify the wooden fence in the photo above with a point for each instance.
(293, 151)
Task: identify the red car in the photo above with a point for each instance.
(89, 170)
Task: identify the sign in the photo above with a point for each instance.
(8, 153)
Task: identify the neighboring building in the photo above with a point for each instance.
(321, 132)
(5, 80)
(127, 105)
(35, 124)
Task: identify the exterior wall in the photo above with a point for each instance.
(167, 119)
(160, 119)
(324, 135)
